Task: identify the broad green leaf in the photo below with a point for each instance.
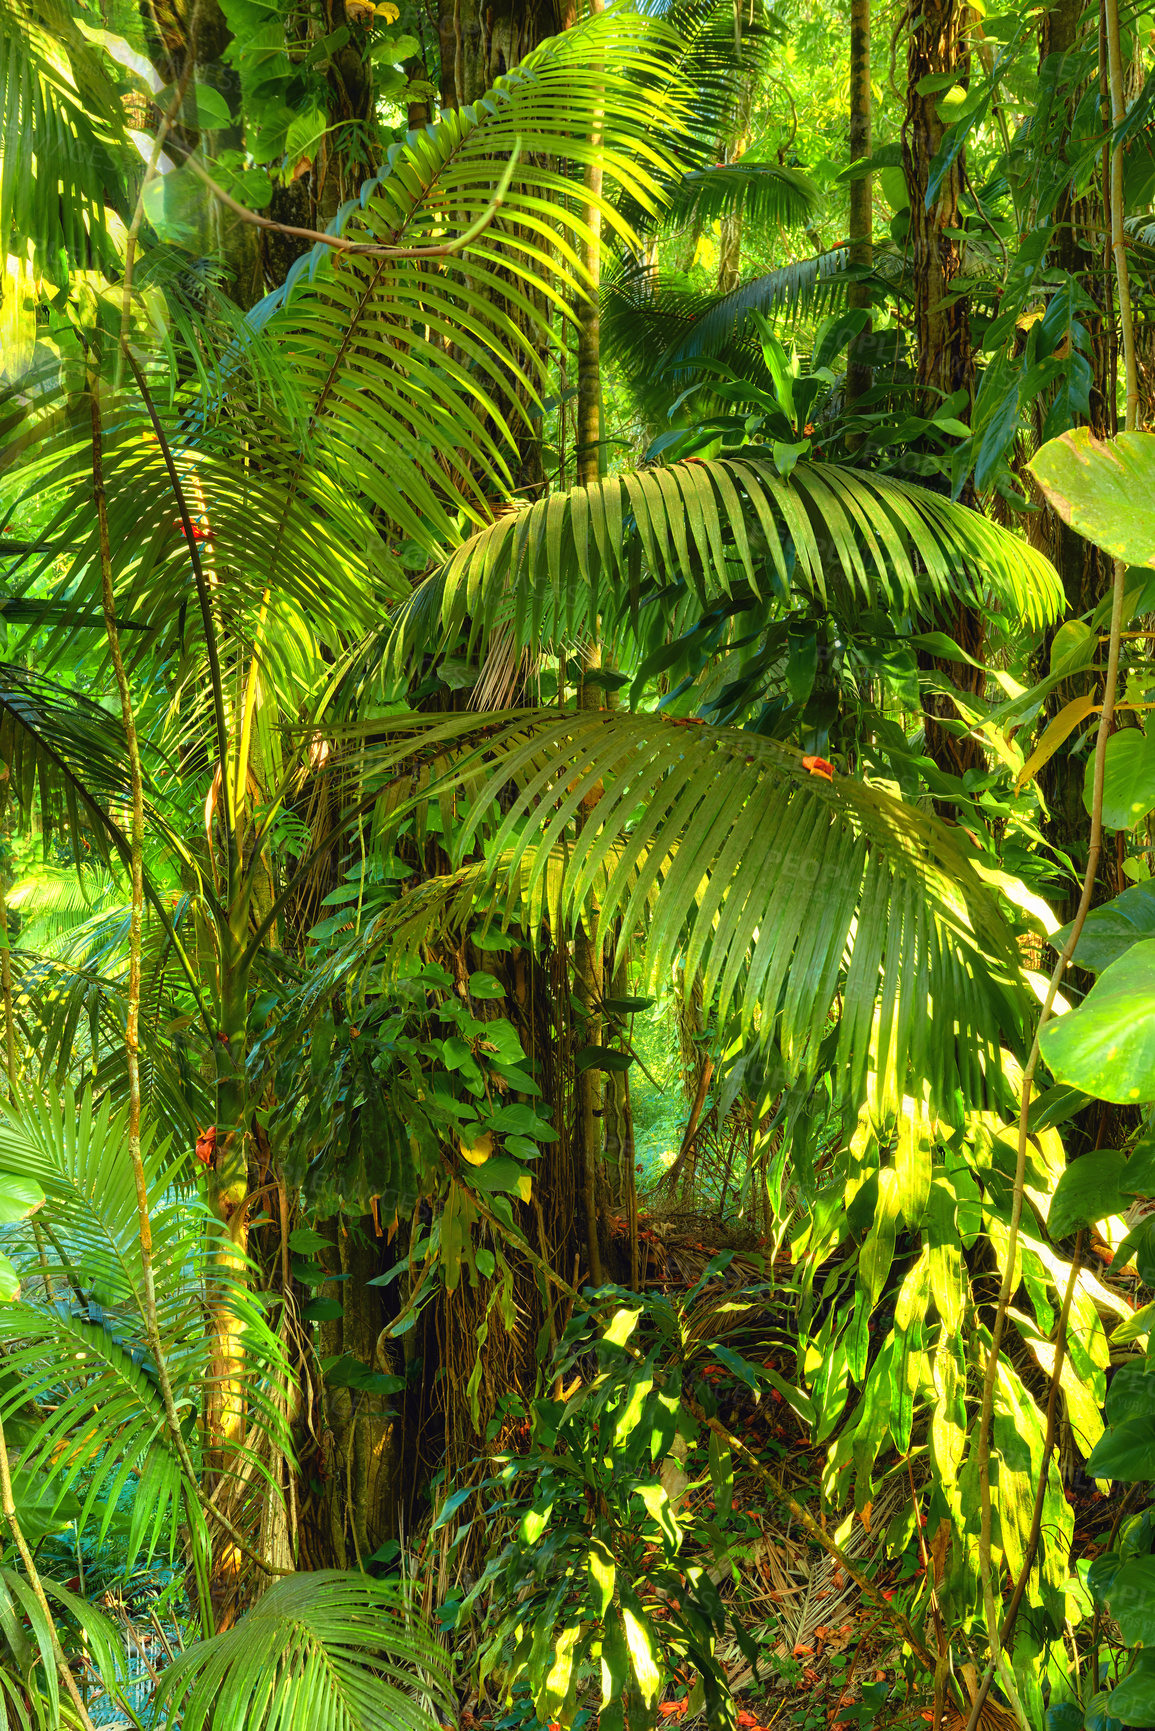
(947, 1283)
(1132, 1601)
(557, 1682)
(1110, 930)
(877, 1253)
(622, 1325)
(535, 1521)
(1127, 1452)
(1131, 1393)
(1105, 490)
(303, 1241)
(1128, 779)
(602, 1573)
(500, 1173)
(1107, 1045)
(19, 1197)
(1131, 1702)
(630, 1416)
(1091, 1189)
(1134, 1327)
(658, 1508)
(452, 1503)
(9, 1281)
(642, 1649)
(615, 1656)
(1074, 645)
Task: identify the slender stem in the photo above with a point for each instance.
(589, 962)
(1118, 237)
(1036, 1527)
(366, 249)
(203, 597)
(8, 1505)
(1110, 16)
(132, 1020)
(858, 371)
(6, 984)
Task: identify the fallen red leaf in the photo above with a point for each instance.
(673, 1709)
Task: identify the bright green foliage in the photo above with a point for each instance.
(318, 1652)
(1107, 1045)
(739, 844)
(58, 107)
(634, 1592)
(97, 1432)
(706, 526)
(1103, 489)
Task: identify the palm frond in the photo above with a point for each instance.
(53, 903)
(63, 126)
(66, 761)
(792, 897)
(413, 378)
(319, 1652)
(546, 573)
(404, 363)
(29, 1683)
(80, 1347)
(763, 192)
(809, 286)
(721, 55)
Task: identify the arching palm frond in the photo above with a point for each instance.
(765, 194)
(421, 432)
(77, 1341)
(53, 903)
(63, 126)
(660, 329)
(719, 58)
(66, 760)
(412, 378)
(70, 1009)
(809, 286)
(547, 572)
(319, 1652)
(29, 1683)
(792, 897)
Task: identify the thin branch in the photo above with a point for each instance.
(363, 249)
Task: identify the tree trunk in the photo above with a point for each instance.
(858, 370)
(363, 1438)
(1085, 571)
(937, 45)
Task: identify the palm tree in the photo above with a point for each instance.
(263, 482)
